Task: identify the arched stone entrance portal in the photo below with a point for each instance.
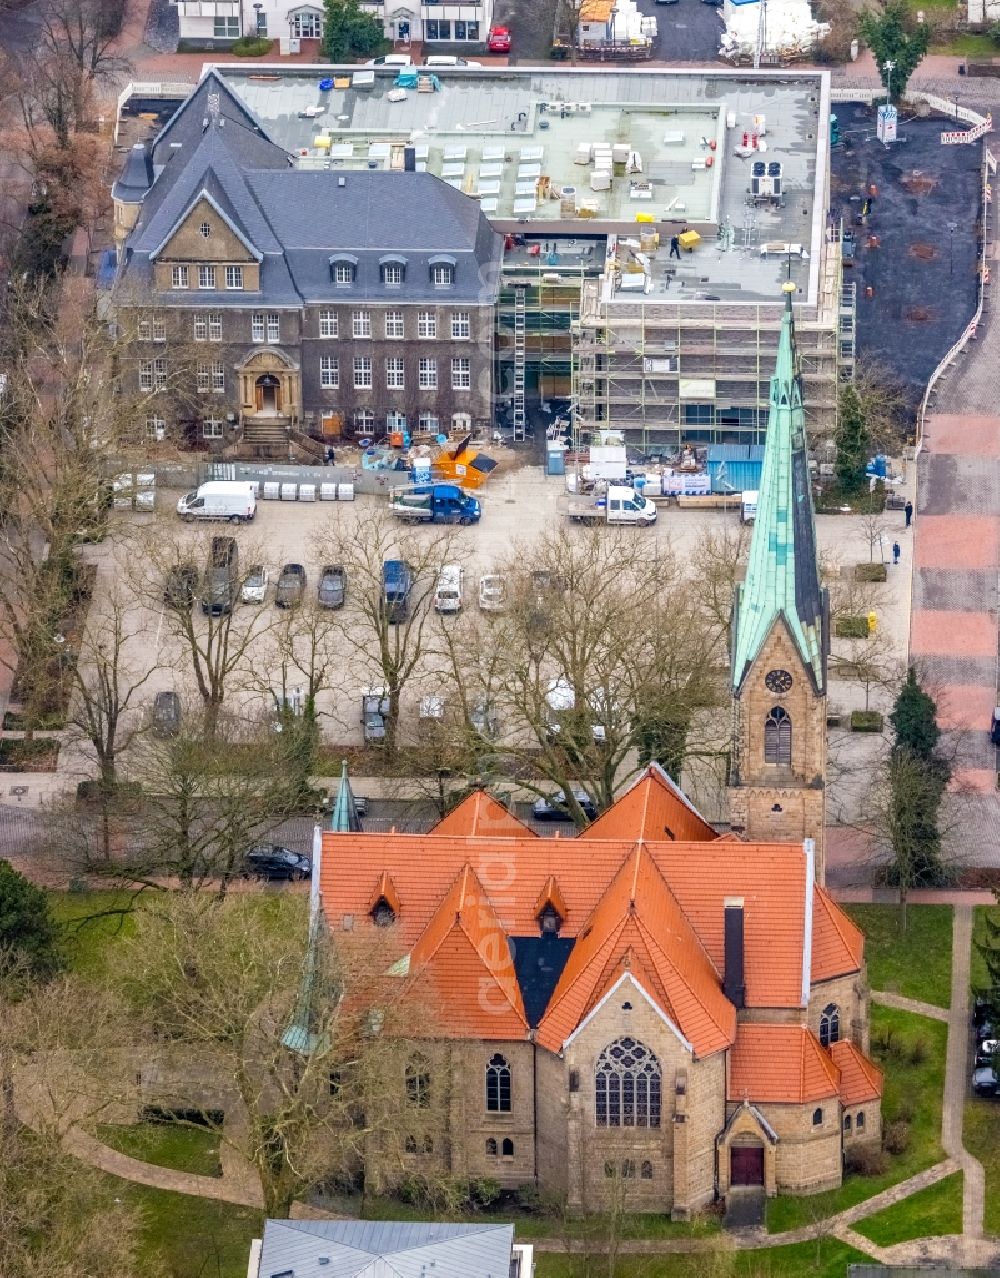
(267, 395)
(270, 387)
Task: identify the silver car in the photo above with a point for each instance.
(255, 584)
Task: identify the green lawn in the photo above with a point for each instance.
(529, 1225)
(175, 1145)
(933, 1211)
(981, 1137)
(827, 1258)
(914, 1090)
(193, 1236)
(91, 924)
(968, 45)
(915, 963)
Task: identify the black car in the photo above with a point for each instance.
(985, 1082)
(291, 586)
(554, 807)
(166, 714)
(180, 586)
(272, 861)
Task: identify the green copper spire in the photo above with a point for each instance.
(344, 818)
(782, 577)
(308, 1029)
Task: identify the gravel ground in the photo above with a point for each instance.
(162, 27)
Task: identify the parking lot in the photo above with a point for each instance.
(687, 31)
(518, 507)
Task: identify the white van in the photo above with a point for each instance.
(230, 499)
(448, 594)
(448, 60)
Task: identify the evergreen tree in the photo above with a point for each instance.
(349, 32)
(895, 36)
(853, 442)
(914, 719)
(27, 928)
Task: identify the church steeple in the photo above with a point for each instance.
(782, 578)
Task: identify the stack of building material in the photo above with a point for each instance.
(790, 31)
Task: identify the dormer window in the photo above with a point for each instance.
(443, 275)
(383, 915)
(393, 271)
(343, 270)
(550, 921)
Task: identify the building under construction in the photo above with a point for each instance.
(650, 218)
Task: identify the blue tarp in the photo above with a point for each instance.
(106, 268)
(735, 476)
(407, 79)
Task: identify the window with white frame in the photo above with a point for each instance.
(234, 277)
(257, 326)
(307, 26)
(461, 325)
(394, 324)
(392, 274)
(461, 423)
(329, 372)
(328, 326)
(206, 277)
(362, 373)
(394, 374)
(429, 422)
(215, 326)
(203, 376)
(178, 277)
(201, 328)
(218, 376)
(211, 428)
(395, 421)
(426, 324)
(226, 28)
(364, 421)
(156, 427)
(343, 273)
(152, 330)
(427, 374)
(442, 275)
(152, 374)
(361, 324)
(461, 373)
(273, 326)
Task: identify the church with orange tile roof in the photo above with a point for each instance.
(649, 1013)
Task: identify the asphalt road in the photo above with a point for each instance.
(686, 32)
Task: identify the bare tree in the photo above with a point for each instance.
(593, 672)
(390, 644)
(306, 1045)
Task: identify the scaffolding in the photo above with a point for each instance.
(519, 361)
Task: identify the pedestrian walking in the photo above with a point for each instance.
(895, 552)
(675, 246)
(908, 512)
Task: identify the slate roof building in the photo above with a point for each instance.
(371, 1249)
(270, 303)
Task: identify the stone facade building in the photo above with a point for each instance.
(651, 1013)
(269, 303)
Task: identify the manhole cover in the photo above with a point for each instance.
(18, 790)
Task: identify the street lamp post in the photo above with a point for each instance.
(889, 67)
(256, 10)
(952, 228)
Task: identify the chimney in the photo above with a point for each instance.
(409, 159)
(733, 985)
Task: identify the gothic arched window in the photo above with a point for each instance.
(829, 1025)
(491, 1148)
(498, 1085)
(418, 1082)
(778, 737)
(627, 1086)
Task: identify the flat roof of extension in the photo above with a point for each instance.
(516, 138)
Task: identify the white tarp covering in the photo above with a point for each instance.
(790, 29)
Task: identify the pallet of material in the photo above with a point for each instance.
(714, 501)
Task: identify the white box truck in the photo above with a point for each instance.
(231, 499)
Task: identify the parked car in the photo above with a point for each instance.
(391, 60)
(714, 4)
(449, 60)
(985, 1081)
(665, 1)
(291, 586)
(499, 40)
(374, 712)
(222, 587)
(332, 586)
(180, 585)
(554, 807)
(986, 1050)
(272, 861)
(492, 593)
(166, 714)
(255, 584)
